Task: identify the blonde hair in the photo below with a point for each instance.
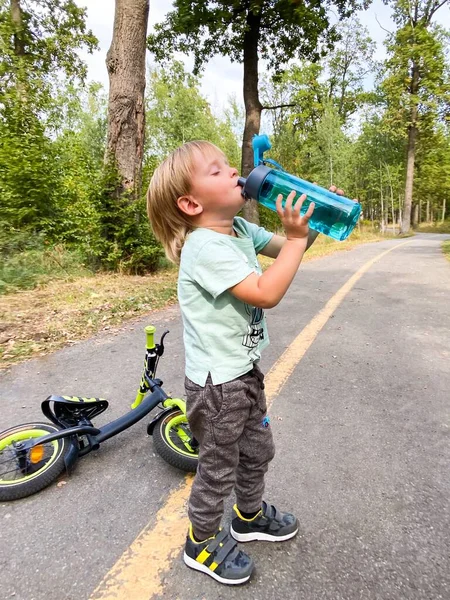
(171, 180)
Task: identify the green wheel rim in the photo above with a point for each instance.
(20, 436)
(174, 424)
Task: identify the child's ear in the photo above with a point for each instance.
(189, 205)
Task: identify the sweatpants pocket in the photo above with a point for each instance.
(229, 422)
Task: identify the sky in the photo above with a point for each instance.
(221, 78)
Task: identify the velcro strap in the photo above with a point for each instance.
(268, 510)
(225, 550)
(278, 515)
(220, 537)
(273, 514)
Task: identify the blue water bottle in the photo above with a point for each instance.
(333, 215)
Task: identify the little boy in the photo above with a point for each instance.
(192, 201)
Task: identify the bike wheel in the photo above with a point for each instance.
(23, 474)
(172, 440)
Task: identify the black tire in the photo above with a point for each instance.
(34, 476)
(169, 445)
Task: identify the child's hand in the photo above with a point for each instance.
(340, 192)
(295, 225)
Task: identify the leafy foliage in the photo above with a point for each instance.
(287, 29)
(423, 46)
(177, 113)
(39, 49)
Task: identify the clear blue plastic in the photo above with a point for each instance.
(333, 215)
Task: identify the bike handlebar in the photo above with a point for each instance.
(150, 335)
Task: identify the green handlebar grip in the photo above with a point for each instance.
(150, 332)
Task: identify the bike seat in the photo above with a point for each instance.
(55, 398)
(69, 410)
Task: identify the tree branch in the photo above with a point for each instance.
(386, 30)
(279, 106)
(436, 7)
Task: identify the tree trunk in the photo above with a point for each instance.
(392, 198)
(415, 214)
(412, 137)
(382, 227)
(411, 154)
(253, 106)
(125, 62)
(19, 50)
(393, 211)
(443, 210)
(16, 18)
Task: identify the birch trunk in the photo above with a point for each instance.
(410, 161)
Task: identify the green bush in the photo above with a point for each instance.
(125, 243)
(28, 260)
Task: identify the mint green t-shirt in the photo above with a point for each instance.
(222, 335)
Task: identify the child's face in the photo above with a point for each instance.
(214, 185)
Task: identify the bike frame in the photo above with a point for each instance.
(99, 435)
(149, 395)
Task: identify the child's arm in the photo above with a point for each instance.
(266, 290)
(272, 250)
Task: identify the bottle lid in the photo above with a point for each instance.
(254, 181)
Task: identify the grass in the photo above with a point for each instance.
(59, 313)
(434, 227)
(36, 322)
(38, 266)
(446, 249)
(443, 227)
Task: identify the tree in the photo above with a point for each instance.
(125, 62)
(346, 66)
(79, 150)
(415, 79)
(40, 40)
(177, 113)
(328, 151)
(38, 55)
(245, 31)
(432, 180)
(298, 96)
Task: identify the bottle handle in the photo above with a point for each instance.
(261, 144)
(274, 163)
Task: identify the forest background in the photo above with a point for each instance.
(76, 158)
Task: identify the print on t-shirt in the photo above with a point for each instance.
(255, 331)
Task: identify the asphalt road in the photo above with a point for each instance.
(362, 429)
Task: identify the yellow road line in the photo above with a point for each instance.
(138, 573)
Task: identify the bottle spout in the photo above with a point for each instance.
(241, 181)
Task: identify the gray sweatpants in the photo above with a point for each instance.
(236, 446)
